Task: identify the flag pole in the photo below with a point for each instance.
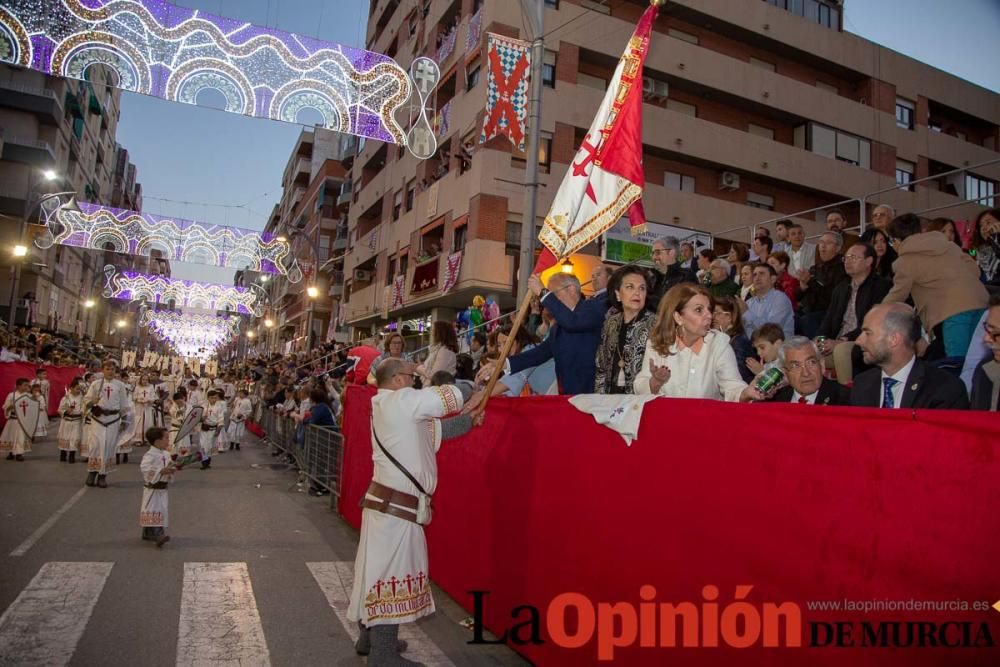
(534, 12)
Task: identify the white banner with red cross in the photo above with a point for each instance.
(451, 271)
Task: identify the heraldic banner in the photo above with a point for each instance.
(451, 271)
(605, 180)
(398, 288)
(506, 89)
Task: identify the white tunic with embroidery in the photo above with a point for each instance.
(153, 511)
(145, 413)
(238, 422)
(215, 417)
(71, 424)
(390, 573)
(17, 434)
(103, 432)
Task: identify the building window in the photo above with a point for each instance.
(397, 204)
(411, 193)
(390, 275)
(591, 81)
(549, 69)
(519, 158)
(678, 182)
(460, 234)
(682, 107)
(472, 78)
(404, 263)
(904, 113)
(904, 174)
(683, 36)
(596, 6)
(763, 64)
(980, 189)
(760, 131)
(829, 142)
(755, 200)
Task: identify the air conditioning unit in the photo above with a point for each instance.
(653, 89)
(362, 276)
(729, 180)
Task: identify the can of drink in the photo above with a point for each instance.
(770, 379)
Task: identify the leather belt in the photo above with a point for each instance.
(390, 501)
(156, 486)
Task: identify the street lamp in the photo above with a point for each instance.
(312, 291)
(567, 266)
(50, 174)
(20, 250)
(251, 334)
(89, 303)
(269, 323)
(122, 323)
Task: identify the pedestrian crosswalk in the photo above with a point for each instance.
(219, 621)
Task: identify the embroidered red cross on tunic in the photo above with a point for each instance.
(580, 168)
(108, 390)
(506, 89)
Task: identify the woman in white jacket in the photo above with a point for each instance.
(443, 352)
(685, 358)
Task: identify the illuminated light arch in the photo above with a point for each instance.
(154, 45)
(129, 286)
(233, 260)
(15, 45)
(117, 240)
(78, 52)
(196, 248)
(146, 245)
(309, 93)
(201, 74)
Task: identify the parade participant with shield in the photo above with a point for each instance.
(22, 412)
(110, 421)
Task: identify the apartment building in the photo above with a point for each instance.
(311, 215)
(754, 110)
(67, 128)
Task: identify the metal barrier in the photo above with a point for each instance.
(317, 459)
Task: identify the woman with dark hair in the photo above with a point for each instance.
(728, 318)
(685, 357)
(985, 245)
(947, 227)
(624, 335)
(705, 258)
(738, 252)
(321, 413)
(885, 254)
(441, 356)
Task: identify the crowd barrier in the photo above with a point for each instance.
(723, 510)
(318, 457)
(59, 379)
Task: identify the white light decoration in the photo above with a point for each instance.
(131, 286)
(97, 227)
(194, 334)
(172, 52)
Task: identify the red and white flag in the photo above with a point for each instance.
(605, 180)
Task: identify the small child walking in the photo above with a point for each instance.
(157, 472)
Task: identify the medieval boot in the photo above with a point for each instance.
(63, 454)
(72, 457)
(124, 458)
(118, 459)
(385, 648)
(10, 457)
(102, 481)
(161, 537)
(147, 534)
(19, 457)
(91, 479)
(206, 463)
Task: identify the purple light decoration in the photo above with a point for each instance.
(103, 227)
(261, 72)
(130, 286)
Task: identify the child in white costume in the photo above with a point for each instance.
(156, 474)
(70, 433)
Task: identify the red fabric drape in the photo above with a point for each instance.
(59, 379)
(801, 503)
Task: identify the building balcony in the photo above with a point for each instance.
(28, 151)
(365, 302)
(42, 102)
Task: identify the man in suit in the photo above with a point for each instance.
(888, 338)
(574, 338)
(850, 302)
(986, 378)
(804, 370)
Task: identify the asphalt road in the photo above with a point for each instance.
(88, 591)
